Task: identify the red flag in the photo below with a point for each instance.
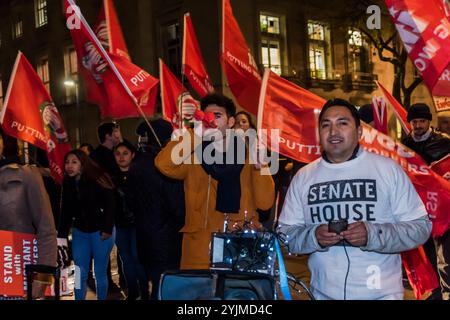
(397, 108)
(113, 82)
(238, 64)
(30, 115)
(424, 28)
(420, 272)
(171, 91)
(193, 65)
(108, 31)
(442, 167)
(283, 104)
(294, 111)
(380, 114)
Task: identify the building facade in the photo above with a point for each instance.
(313, 43)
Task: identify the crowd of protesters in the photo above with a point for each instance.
(159, 213)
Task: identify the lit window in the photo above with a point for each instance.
(355, 38)
(70, 72)
(17, 28)
(358, 53)
(40, 12)
(319, 50)
(272, 42)
(316, 31)
(43, 72)
(270, 24)
(270, 51)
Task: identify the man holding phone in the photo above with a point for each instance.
(354, 212)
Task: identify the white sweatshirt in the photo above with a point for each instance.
(369, 188)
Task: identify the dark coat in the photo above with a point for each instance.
(433, 149)
(104, 157)
(86, 206)
(124, 217)
(158, 204)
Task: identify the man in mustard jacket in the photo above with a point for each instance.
(213, 191)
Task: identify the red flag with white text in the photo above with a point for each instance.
(112, 81)
(399, 111)
(294, 111)
(424, 27)
(238, 63)
(29, 114)
(192, 60)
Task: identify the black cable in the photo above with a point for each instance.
(348, 270)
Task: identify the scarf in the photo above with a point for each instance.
(228, 178)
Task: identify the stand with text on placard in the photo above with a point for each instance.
(16, 251)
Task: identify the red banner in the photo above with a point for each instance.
(399, 111)
(17, 250)
(29, 114)
(193, 65)
(424, 28)
(171, 91)
(112, 81)
(380, 114)
(108, 31)
(294, 111)
(238, 63)
(420, 272)
(442, 167)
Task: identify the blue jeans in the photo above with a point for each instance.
(86, 246)
(134, 272)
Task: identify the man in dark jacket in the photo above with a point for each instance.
(423, 139)
(431, 146)
(158, 206)
(109, 136)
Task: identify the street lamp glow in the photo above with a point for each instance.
(69, 83)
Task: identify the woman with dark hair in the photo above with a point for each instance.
(88, 203)
(244, 121)
(25, 207)
(137, 281)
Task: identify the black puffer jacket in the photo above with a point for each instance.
(158, 205)
(86, 206)
(433, 149)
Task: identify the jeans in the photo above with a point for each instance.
(134, 272)
(86, 246)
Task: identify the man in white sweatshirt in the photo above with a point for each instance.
(384, 212)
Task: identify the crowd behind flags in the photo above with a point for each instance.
(122, 90)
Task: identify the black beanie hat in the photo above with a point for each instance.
(163, 130)
(366, 113)
(419, 111)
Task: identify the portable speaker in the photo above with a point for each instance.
(216, 285)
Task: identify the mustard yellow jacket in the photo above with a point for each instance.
(257, 191)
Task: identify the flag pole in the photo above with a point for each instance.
(114, 69)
